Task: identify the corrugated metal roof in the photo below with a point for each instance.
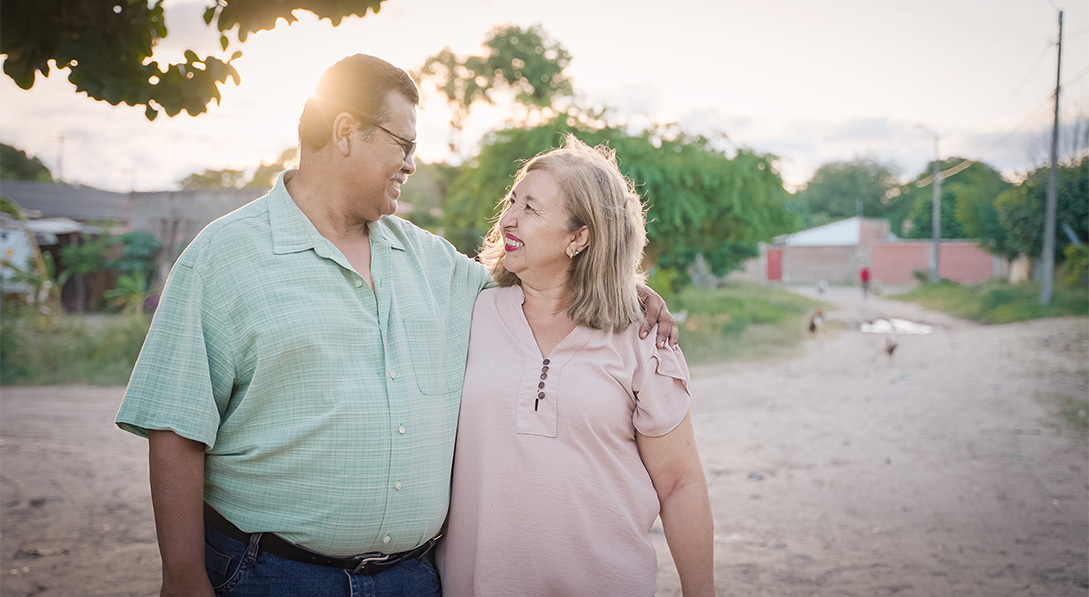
(83, 204)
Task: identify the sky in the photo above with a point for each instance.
(810, 81)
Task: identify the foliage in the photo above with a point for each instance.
(86, 258)
(663, 280)
(974, 191)
(837, 188)
(1076, 266)
(996, 301)
(967, 209)
(213, 179)
(138, 252)
(1021, 209)
(130, 293)
(15, 164)
(263, 178)
(265, 175)
(426, 191)
(74, 351)
(108, 47)
(740, 322)
(524, 61)
(698, 199)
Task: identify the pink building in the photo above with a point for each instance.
(835, 252)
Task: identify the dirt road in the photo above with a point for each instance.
(941, 471)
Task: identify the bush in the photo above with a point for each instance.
(739, 321)
(1076, 266)
(996, 301)
(70, 349)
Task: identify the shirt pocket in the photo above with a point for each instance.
(428, 353)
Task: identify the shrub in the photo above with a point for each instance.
(71, 350)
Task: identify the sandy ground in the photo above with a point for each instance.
(941, 471)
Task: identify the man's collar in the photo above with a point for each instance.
(293, 232)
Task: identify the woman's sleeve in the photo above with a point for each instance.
(661, 392)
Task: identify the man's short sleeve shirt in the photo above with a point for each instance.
(328, 409)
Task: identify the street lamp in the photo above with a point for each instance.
(937, 209)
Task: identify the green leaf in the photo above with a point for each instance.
(224, 42)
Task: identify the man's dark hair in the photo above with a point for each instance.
(358, 85)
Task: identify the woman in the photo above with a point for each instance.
(573, 434)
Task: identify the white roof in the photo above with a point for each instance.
(844, 233)
(54, 226)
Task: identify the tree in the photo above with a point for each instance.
(263, 177)
(523, 61)
(15, 164)
(974, 191)
(108, 47)
(83, 258)
(699, 201)
(967, 208)
(1021, 209)
(838, 188)
(213, 179)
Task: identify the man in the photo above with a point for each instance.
(299, 386)
(864, 277)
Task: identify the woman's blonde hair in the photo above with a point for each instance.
(595, 194)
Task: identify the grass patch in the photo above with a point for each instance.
(70, 350)
(996, 301)
(1070, 414)
(741, 322)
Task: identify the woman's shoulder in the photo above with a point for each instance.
(668, 359)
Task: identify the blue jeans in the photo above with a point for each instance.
(238, 569)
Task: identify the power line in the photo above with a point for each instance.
(1024, 81)
(966, 163)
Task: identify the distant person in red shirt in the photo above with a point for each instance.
(864, 275)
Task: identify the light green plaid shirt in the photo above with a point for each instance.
(329, 410)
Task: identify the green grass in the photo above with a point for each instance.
(69, 350)
(1069, 414)
(740, 322)
(997, 301)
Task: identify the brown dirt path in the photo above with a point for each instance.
(938, 472)
(840, 472)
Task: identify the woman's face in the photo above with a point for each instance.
(534, 225)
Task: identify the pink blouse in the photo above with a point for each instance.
(549, 495)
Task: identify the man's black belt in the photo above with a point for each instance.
(365, 564)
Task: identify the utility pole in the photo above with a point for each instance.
(60, 156)
(1048, 257)
(935, 263)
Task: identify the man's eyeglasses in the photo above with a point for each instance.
(409, 147)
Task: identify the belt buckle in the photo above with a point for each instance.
(364, 560)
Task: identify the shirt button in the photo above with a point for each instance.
(385, 539)
(358, 283)
(401, 429)
(397, 485)
(393, 375)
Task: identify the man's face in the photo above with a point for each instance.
(378, 165)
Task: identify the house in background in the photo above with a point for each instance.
(836, 252)
(58, 215)
(88, 206)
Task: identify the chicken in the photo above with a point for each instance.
(815, 321)
(890, 347)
